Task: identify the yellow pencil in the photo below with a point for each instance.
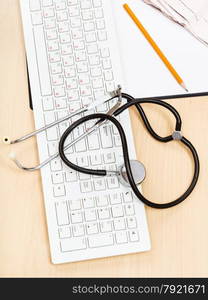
(155, 46)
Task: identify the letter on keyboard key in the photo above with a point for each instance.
(42, 61)
(73, 244)
(113, 182)
(62, 213)
(101, 240)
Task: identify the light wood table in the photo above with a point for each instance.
(179, 235)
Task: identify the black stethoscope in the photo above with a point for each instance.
(132, 172)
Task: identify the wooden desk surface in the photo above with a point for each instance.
(179, 235)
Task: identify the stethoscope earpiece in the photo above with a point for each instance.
(138, 172)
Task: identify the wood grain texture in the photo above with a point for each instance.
(179, 235)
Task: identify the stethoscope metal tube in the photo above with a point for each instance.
(88, 131)
(84, 109)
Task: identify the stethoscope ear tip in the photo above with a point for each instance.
(6, 140)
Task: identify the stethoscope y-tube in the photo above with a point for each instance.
(175, 136)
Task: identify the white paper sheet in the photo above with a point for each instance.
(145, 73)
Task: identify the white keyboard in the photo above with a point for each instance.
(73, 59)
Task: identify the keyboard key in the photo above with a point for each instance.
(133, 236)
(71, 175)
(82, 161)
(70, 72)
(99, 184)
(75, 204)
(121, 237)
(90, 37)
(50, 23)
(129, 208)
(48, 103)
(100, 24)
(128, 197)
(35, 5)
(57, 177)
(64, 232)
(106, 226)
(60, 5)
(62, 213)
(63, 27)
(56, 165)
(103, 213)
(59, 91)
(101, 240)
(47, 3)
(88, 202)
(78, 230)
(94, 60)
(56, 68)
(71, 83)
(75, 22)
(82, 67)
(102, 35)
(52, 133)
(106, 137)
(59, 190)
(90, 215)
(74, 11)
(92, 48)
(115, 199)
(86, 186)
(62, 16)
(41, 53)
(53, 45)
(89, 26)
(37, 18)
(119, 224)
(65, 37)
(117, 211)
(49, 117)
(48, 12)
(98, 13)
(87, 15)
(97, 3)
(113, 182)
(86, 4)
(52, 148)
(76, 217)
(92, 228)
(131, 222)
(102, 200)
(109, 158)
(95, 159)
(54, 57)
(51, 34)
(72, 2)
(73, 244)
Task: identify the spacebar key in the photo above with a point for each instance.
(100, 240)
(42, 61)
(73, 244)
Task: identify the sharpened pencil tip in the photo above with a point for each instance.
(184, 87)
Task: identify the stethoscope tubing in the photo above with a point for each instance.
(135, 102)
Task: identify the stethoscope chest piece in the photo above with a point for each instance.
(138, 172)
